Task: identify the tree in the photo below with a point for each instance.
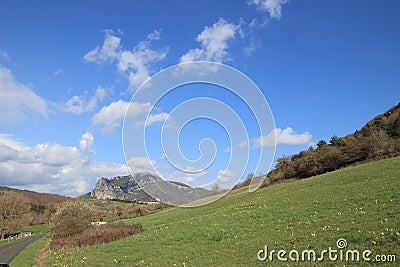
(282, 162)
(321, 144)
(15, 211)
(71, 218)
(336, 141)
(216, 189)
(51, 209)
(393, 128)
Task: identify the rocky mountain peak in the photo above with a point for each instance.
(143, 186)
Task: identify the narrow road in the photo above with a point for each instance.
(9, 252)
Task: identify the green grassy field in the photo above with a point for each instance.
(36, 229)
(360, 204)
(27, 256)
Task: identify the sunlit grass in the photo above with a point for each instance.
(26, 258)
(36, 229)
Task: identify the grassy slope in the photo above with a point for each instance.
(36, 229)
(26, 257)
(360, 204)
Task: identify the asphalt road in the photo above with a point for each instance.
(9, 252)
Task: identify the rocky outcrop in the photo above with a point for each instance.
(119, 188)
(146, 187)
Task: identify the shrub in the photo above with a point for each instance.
(97, 235)
(73, 217)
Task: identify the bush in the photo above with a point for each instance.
(97, 235)
(73, 217)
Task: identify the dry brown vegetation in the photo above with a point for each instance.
(378, 139)
(72, 225)
(15, 213)
(97, 235)
(39, 202)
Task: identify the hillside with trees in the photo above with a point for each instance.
(378, 139)
(38, 203)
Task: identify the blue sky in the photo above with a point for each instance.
(68, 69)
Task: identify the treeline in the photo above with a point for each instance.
(378, 139)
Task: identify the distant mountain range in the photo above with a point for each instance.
(146, 187)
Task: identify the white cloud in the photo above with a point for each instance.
(250, 48)
(53, 167)
(112, 115)
(154, 35)
(86, 143)
(81, 104)
(108, 52)
(214, 42)
(225, 176)
(156, 118)
(77, 105)
(49, 154)
(8, 140)
(136, 63)
(133, 64)
(282, 137)
(17, 100)
(189, 179)
(7, 153)
(160, 117)
(243, 144)
(272, 7)
(142, 164)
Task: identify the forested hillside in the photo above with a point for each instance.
(378, 139)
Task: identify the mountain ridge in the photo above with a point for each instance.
(146, 187)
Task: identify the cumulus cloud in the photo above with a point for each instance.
(7, 153)
(225, 176)
(17, 100)
(108, 52)
(86, 143)
(156, 35)
(214, 42)
(282, 137)
(154, 118)
(272, 7)
(49, 154)
(81, 104)
(142, 164)
(111, 116)
(134, 64)
(53, 167)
